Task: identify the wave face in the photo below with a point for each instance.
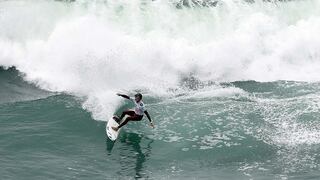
(14, 89)
(96, 48)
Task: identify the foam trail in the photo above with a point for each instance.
(95, 49)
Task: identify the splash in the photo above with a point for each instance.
(95, 49)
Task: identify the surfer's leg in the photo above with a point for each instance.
(116, 118)
(131, 118)
(128, 112)
(124, 122)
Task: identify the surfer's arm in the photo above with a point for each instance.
(123, 95)
(149, 118)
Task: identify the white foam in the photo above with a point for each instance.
(94, 50)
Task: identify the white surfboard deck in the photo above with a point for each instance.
(112, 134)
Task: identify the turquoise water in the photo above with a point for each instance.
(271, 132)
(232, 86)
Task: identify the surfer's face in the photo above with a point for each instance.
(137, 98)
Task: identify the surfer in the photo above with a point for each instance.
(134, 115)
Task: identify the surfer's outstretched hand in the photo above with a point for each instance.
(152, 125)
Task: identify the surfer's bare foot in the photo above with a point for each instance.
(115, 128)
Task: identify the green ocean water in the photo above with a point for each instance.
(272, 132)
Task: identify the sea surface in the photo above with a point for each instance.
(233, 87)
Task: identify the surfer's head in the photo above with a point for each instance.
(137, 97)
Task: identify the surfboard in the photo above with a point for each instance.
(112, 134)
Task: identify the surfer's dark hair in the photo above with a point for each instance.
(138, 95)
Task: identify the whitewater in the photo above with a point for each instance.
(95, 49)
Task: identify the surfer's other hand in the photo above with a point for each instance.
(152, 125)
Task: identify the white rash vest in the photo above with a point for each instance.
(139, 107)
